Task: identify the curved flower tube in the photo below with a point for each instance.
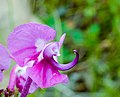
(49, 52)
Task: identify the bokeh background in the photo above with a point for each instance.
(92, 27)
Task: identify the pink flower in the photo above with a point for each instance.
(4, 61)
(31, 42)
(18, 77)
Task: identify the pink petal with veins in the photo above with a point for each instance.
(4, 61)
(18, 77)
(28, 40)
(4, 58)
(45, 75)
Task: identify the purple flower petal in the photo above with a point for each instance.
(18, 77)
(45, 75)
(4, 58)
(28, 40)
(12, 80)
(62, 40)
(4, 61)
(33, 87)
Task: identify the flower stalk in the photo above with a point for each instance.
(26, 87)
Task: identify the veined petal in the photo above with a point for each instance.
(18, 77)
(12, 80)
(33, 87)
(4, 58)
(45, 75)
(4, 61)
(28, 40)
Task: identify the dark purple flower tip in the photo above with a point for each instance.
(49, 53)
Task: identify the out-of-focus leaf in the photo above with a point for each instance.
(77, 36)
(89, 12)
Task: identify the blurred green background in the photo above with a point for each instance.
(92, 28)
